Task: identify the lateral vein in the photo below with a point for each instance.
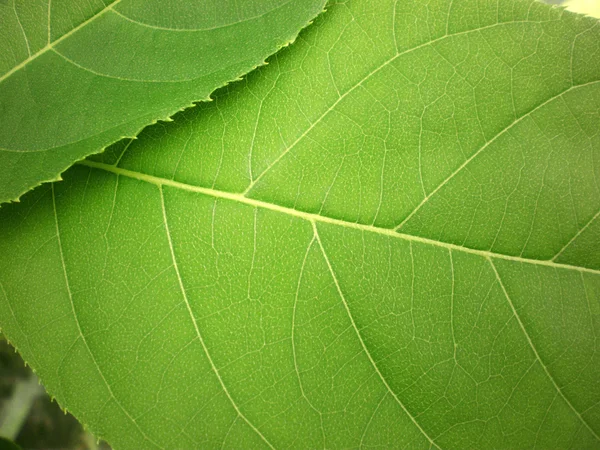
(197, 329)
(361, 340)
(537, 355)
(51, 45)
(82, 335)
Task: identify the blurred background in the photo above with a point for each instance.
(29, 418)
(589, 7)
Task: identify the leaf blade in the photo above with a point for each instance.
(106, 77)
(353, 335)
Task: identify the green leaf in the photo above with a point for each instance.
(76, 77)
(389, 237)
(6, 444)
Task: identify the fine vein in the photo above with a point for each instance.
(574, 238)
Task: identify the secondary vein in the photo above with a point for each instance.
(196, 327)
(537, 355)
(362, 342)
(51, 45)
(82, 335)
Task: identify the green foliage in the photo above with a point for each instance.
(6, 444)
(78, 76)
(387, 237)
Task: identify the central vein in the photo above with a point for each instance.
(240, 198)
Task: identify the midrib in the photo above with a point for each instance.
(323, 219)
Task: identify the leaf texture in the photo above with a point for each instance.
(76, 77)
(388, 237)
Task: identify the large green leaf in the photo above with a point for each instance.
(387, 237)
(77, 76)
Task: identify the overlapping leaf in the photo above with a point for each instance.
(76, 77)
(388, 237)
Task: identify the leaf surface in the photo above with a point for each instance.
(76, 77)
(388, 237)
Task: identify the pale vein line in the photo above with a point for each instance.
(324, 219)
(486, 145)
(115, 77)
(253, 139)
(258, 116)
(412, 290)
(194, 30)
(364, 434)
(452, 304)
(382, 176)
(420, 159)
(394, 26)
(362, 342)
(576, 236)
(294, 352)
(359, 84)
(81, 335)
(197, 329)
(60, 39)
(589, 305)
(22, 29)
(537, 202)
(250, 272)
(49, 23)
(125, 122)
(228, 431)
(125, 151)
(448, 16)
(535, 352)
